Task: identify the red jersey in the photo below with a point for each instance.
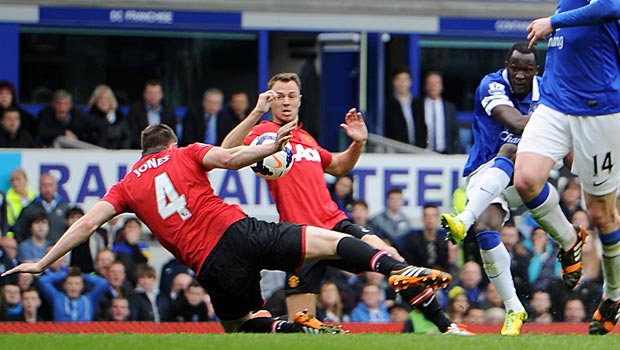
(302, 196)
(170, 192)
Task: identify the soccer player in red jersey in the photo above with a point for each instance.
(301, 196)
(169, 191)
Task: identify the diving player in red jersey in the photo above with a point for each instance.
(301, 196)
(169, 191)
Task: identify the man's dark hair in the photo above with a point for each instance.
(37, 215)
(74, 271)
(429, 205)
(359, 202)
(394, 190)
(10, 109)
(154, 82)
(75, 210)
(522, 47)
(7, 85)
(400, 70)
(157, 135)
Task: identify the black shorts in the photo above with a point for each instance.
(231, 273)
(309, 278)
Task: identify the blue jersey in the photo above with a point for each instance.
(582, 69)
(489, 134)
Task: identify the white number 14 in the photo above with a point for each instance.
(168, 199)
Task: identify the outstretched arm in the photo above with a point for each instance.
(99, 214)
(236, 136)
(355, 128)
(242, 156)
(596, 12)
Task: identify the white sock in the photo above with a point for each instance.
(494, 181)
(550, 217)
(611, 271)
(496, 263)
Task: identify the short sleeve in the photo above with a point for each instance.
(493, 94)
(326, 156)
(116, 197)
(197, 151)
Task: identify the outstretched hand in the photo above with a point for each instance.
(284, 134)
(538, 29)
(25, 267)
(354, 125)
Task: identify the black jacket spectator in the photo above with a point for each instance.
(106, 134)
(182, 311)
(396, 126)
(417, 250)
(141, 308)
(50, 127)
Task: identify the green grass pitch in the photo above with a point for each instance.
(302, 341)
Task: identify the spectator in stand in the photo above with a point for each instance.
(544, 266)
(401, 123)
(475, 315)
(130, 250)
(399, 313)
(329, 307)
(360, 214)
(190, 306)
(11, 133)
(392, 224)
(342, 193)
(150, 110)
(8, 258)
(540, 304)
(119, 310)
(168, 272)
(239, 106)
(35, 247)
(570, 199)
(109, 127)
(3, 219)
(70, 305)
(180, 283)
(574, 310)
(118, 287)
(145, 301)
(104, 260)
(25, 281)
(440, 116)
(371, 307)
(428, 247)
(51, 202)
(471, 282)
(31, 303)
(60, 124)
(8, 99)
(13, 299)
(18, 196)
(84, 255)
(457, 305)
(494, 315)
(207, 123)
(520, 258)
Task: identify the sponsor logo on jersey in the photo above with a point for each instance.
(508, 137)
(293, 281)
(556, 41)
(308, 154)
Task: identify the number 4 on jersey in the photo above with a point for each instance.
(168, 199)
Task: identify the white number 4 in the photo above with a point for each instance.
(168, 199)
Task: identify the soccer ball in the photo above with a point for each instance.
(275, 165)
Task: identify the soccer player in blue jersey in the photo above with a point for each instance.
(579, 110)
(504, 100)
